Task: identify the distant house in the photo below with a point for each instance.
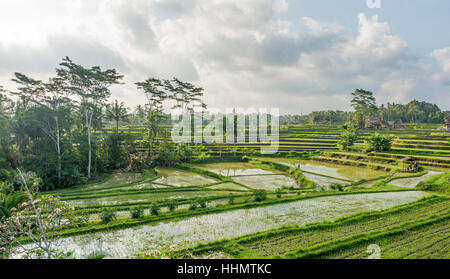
(377, 123)
(446, 125)
(397, 125)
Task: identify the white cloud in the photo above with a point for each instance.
(442, 57)
(240, 51)
(396, 90)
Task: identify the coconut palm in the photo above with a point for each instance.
(116, 112)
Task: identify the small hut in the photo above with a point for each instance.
(447, 123)
(377, 123)
(397, 125)
(409, 164)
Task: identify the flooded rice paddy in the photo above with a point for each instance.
(235, 169)
(336, 171)
(266, 182)
(175, 177)
(121, 199)
(188, 232)
(413, 181)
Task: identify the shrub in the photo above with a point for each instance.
(82, 220)
(202, 203)
(154, 209)
(348, 138)
(108, 216)
(172, 206)
(381, 142)
(230, 198)
(260, 195)
(301, 180)
(279, 192)
(137, 212)
(193, 206)
(336, 187)
(97, 255)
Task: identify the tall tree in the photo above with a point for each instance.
(154, 90)
(364, 104)
(116, 111)
(5, 108)
(363, 100)
(30, 90)
(92, 87)
(185, 94)
(49, 108)
(413, 110)
(57, 107)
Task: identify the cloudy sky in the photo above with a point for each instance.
(297, 55)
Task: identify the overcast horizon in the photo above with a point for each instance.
(299, 56)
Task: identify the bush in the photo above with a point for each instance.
(279, 193)
(172, 206)
(230, 198)
(301, 179)
(97, 255)
(82, 220)
(193, 206)
(137, 212)
(154, 209)
(381, 142)
(336, 187)
(348, 138)
(4, 174)
(202, 203)
(260, 195)
(108, 216)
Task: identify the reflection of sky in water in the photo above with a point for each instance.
(188, 232)
(413, 181)
(233, 169)
(266, 182)
(337, 171)
(182, 178)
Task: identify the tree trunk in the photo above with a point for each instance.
(42, 230)
(88, 125)
(58, 149)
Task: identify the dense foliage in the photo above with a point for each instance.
(65, 131)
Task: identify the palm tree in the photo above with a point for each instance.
(10, 201)
(413, 110)
(116, 112)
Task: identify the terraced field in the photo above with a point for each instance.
(185, 233)
(304, 212)
(423, 141)
(292, 241)
(314, 240)
(429, 242)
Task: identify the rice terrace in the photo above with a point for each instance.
(96, 162)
